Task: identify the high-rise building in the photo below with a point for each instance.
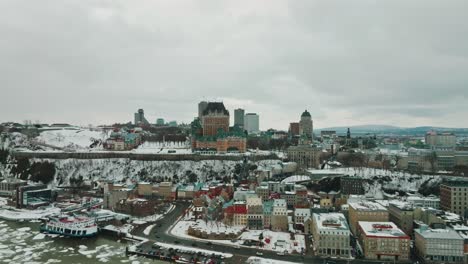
(306, 125)
(294, 129)
(140, 118)
(453, 197)
(201, 108)
(251, 123)
(239, 117)
(160, 122)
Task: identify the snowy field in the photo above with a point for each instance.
(73, 139)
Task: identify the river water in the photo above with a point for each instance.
(22, 243)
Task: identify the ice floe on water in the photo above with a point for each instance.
(24, 244)
(39, 236)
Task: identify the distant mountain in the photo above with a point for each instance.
(386, 129)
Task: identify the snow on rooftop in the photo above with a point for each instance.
(439, 233)
(331, 221)
(381, 229)
(367, 206)
(296, 178)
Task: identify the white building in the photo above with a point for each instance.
(439, 245)
(331, 235)
(251, 123)
(300, 215)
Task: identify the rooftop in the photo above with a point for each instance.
(330, 221)
(279, 202)
(367, 206)
(217, 107)
(438, 233)
(381, 229)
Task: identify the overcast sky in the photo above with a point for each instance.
(401, 63)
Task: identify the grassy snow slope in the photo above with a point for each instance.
(125, 170)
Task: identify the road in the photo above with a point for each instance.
(160, 233)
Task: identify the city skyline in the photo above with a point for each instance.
(390, 63)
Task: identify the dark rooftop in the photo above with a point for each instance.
(215, 107)
(306, 113)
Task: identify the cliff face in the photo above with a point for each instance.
(128, 171)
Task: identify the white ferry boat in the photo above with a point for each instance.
(72, 226)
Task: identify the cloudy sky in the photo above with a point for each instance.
(355, 62)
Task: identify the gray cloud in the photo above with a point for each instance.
(354, 62)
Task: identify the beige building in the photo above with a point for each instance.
(331, 235)
(453, 197)
(383, 241)
(306, 156)
(112, 197)
(263, 191)
(366, 211)
(165, 190)
(300, 215)
(145, 189)
(279, 216)
(402, 214)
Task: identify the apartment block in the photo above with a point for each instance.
(383, 241)
(331, 235)
(366, 211)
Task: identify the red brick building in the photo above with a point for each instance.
(294, 129)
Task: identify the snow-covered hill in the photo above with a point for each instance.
(125, 170)
(74, 139)
(378, 180)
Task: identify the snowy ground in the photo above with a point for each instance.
(274, 241)
(73, 139)
(148, 229)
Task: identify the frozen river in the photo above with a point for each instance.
(22, 243)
